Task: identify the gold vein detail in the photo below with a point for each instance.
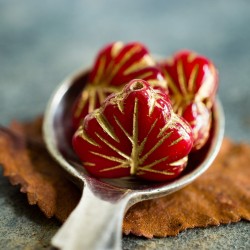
(192, 79)
(136, 160)
(82, 134)
(135, 149)
(179, 162)
(114, 68)
(105, 125)
(186, 92)
(91, 94)
(181, 77)
(90, 164)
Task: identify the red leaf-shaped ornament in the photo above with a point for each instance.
(134, 132)
(199, 118)
(192, 84)
(115, 65)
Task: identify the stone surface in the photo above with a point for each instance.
(41, 42)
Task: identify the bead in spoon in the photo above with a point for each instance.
(96, 222)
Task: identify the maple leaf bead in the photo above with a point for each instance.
(134, 132)
(190, 77)
(115, 65)
(199, 118)
(192, 81)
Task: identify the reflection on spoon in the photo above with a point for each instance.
(96, 222)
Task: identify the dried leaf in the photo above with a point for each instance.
(219, 196)
(26, 162)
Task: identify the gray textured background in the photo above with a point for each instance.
(41, 42)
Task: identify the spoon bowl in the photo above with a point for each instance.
(96, 222)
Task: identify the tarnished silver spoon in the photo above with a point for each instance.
(96, 222)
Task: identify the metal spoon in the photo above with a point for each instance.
(96, 222)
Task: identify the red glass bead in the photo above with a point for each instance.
(192, 84)
(134, 132)
(115, 65)
(199, 118)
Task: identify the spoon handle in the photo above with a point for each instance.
(95, 224)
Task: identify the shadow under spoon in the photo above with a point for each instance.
(96, 222)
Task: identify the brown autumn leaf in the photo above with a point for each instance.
(219, 196)
(26, 161)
